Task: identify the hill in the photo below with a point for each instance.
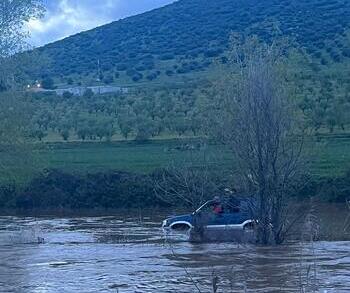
(179, 41)
(175, 45)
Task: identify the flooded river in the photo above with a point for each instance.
(117, 254)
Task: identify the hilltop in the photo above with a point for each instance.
(179, 41)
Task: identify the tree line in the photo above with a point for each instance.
(324, 101)
(141, 115)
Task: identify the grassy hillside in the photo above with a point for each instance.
(178, 42)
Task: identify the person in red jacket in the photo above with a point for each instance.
(217, 206)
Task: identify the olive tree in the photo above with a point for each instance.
(255, 116)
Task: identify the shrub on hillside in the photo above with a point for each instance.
(48, 83)
(121, 67)
(137, 77)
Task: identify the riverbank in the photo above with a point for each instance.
(56, 190)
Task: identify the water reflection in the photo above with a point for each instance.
(110, 254)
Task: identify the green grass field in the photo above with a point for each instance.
(329, 156)
(127, 156)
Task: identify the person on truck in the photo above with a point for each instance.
(233, 202)
(217, 206)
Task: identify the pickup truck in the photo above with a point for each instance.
(232, 218)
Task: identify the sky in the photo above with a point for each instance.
(67, 17)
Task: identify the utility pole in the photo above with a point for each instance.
(98, 70)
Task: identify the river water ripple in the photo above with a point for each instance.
(116, 254)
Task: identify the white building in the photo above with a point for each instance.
(97, 90)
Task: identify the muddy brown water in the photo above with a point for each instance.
(118, 254)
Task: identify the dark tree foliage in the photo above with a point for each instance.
(48, 83)
(58, 190)
(55, 189)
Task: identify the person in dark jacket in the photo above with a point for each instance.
(233, 202)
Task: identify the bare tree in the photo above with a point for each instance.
(190, 182)
(256, 117)
(347, 220)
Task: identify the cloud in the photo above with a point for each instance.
(68, 17)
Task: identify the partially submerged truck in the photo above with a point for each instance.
(231, 222)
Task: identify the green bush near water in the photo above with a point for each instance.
(57, 190)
